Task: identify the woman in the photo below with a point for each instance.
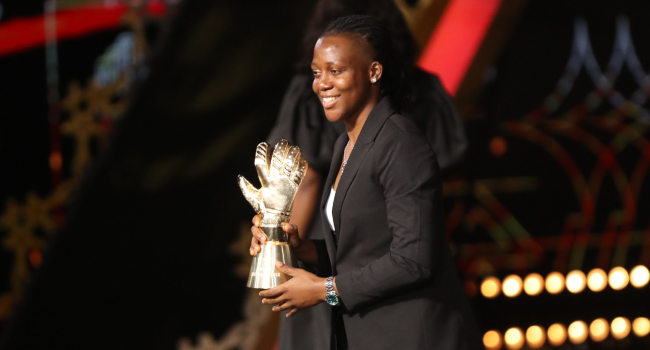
(301, 120)
(384, 264)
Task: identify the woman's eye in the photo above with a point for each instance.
(315, 72)
(335, 71)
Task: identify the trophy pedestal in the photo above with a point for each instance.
(264, 274)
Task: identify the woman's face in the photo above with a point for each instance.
(343, 73)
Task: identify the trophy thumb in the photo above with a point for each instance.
(251, 193)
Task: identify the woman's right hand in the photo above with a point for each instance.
(259, 237)
(304, 249)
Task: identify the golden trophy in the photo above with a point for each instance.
(280, 173)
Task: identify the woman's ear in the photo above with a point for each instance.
(376, 70)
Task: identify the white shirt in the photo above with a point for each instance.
(328, 209)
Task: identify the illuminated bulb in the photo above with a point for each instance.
(639, 276)
(514, 338)
(554, 282)
(597, 280)
(620, 327)
(492, 340)
(534, 284)
(512, 286)
(576, 281)
(618, 278)
(535, 337)
(641, 326)
(599, 329)
(490, 287)
(556, 334)
(578, 332)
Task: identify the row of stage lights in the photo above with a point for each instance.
(578, 331)
(575, 282)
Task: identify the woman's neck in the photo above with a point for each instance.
(354, 124)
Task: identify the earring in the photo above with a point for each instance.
(374, 80)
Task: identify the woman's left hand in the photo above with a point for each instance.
(302, 291)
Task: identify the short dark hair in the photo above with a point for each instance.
(380, 40)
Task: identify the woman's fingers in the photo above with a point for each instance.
(273, 292)
(292, 312)
(275, 301)
(258, 234)
(257, 220)
(282, 307)
(291, 229)
(255, 247)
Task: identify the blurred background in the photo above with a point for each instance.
(123, 125)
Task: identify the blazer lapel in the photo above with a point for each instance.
(337, 158)
(366, 139)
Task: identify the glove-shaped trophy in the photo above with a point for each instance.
(280, 173)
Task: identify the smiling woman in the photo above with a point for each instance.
(384, 264)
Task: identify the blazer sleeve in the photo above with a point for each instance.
(409, 175)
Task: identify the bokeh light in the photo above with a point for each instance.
(556, 334)
(512, 286)
(618, 278)
(491, 287)
(535, 337)
(620, 327)
(641, 326)
(597, 280)
(35, 257)
(576, 281)
(492, 340)
(599, 329)
(554, 282)
(514, 338)
(639, 276)
(56, 161)
(534, 284)
(498, 146)
(578, 332)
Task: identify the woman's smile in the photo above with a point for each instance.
(329, 101)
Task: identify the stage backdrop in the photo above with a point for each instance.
(556, 179)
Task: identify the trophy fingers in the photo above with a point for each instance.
(291, 161)
(262, 162)
(251, 193)
(300, 171)
(277, 160)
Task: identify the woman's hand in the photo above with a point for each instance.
(260, 237)
(303, 248)
(302, 291)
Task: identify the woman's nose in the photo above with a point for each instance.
(325, 82)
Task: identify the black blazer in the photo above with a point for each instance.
(397, 282)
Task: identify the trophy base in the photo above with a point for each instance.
(263, 273)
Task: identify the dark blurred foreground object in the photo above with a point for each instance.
(144, 258)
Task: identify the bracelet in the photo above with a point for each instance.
(331, 297)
